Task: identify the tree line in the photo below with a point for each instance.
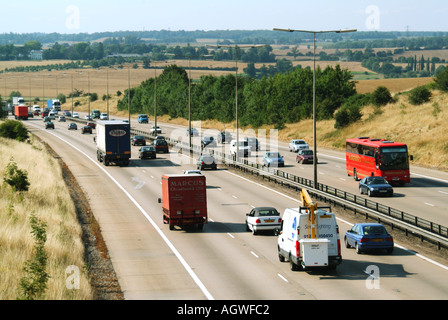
(275, 100)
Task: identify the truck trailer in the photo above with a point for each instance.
(184, 200)
(113, 142)
(54, 104)
(21, 112)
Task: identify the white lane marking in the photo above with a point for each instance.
(282, 277)
(254, 254)
(429, 204)
(159, 231)
(230, 235)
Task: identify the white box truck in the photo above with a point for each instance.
(296, 244)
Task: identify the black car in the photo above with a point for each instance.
(147, 152)
(375, 186)
(72, 126)
(49, 125)
(224, 136)
(208, 142)
(161, 145)
(86, 129)
(138, 141)
(206, 162)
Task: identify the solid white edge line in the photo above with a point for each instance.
(167, 241)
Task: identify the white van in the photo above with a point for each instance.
(243, 150)
(296, 245)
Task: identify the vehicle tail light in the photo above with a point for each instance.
(258, 221)
(339, 247)
(364, 240)
(297, 248)
(202, 162)
(389, 239)
(279, 220)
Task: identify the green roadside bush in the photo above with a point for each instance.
(13, 129)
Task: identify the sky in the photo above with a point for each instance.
(84, 16)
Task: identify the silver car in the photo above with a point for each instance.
(297, 144)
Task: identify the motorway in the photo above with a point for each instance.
(224, 261)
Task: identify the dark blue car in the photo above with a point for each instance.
(375, 186)
(369, 236)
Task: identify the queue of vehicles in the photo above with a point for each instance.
(308, 236)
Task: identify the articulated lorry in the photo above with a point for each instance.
(54, 104)
(184, 200)
(113, 142)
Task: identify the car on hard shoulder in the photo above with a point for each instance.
(138, 141)
(297, 144)
(273, 159)
(206, 162)
(305, 156)
(143, 118)
(369, 237)
(263, 219)
(49, 125)
(147, 152)
(86, 129)
(72, 126)
(224, 136)
(375, 186)
(161, 145)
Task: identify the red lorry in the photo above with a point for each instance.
(21, 112)
(184, 200)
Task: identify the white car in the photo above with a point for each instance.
(155, 130)
(297, 144)
(263, 219)
(192, 172)
(104, 116)
(75, 115)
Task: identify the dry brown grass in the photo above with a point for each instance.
(48, 199)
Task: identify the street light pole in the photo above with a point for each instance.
(314, 88)
(236, 47)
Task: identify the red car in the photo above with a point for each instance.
(305, 156)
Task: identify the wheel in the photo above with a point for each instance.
(355, 175)
(357, 249)
(292, 265)
(369, 193)
(281, 258)
(360, 191)
(347, 245)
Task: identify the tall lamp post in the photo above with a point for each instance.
(314, 87)
(236, 47)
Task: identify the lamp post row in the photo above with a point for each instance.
(236, 47)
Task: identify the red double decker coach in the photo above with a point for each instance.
(378, 157)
